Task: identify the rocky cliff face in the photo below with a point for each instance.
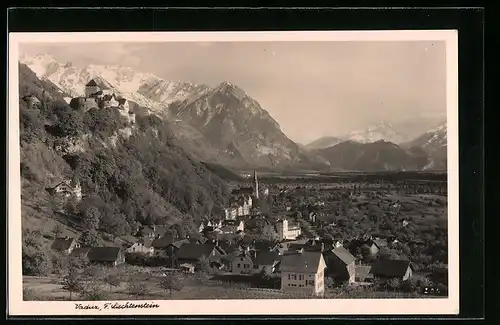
(236, 124)
(435, 143)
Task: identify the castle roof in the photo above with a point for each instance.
(99, 82)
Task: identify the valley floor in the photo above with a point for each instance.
(50, 289)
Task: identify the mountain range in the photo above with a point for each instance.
(223, 124)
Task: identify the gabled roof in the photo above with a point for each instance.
(306, 262)
(380, 242)
(179, 243)
(266, 258)
(390, 268)
(163, 242)
(62, 243)
(191, 251)
(147, 242)
(362, 272)
(103, 254)
(82, 251)
(344, 255)
(100, 82)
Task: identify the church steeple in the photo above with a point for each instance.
(255, 184)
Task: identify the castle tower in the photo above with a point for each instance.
(255, 184)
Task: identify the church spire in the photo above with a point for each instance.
(255, 184)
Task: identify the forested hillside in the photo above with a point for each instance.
(129, 174)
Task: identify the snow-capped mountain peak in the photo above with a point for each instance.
(146, 89)
(376, 132)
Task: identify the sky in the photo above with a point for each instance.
(312, 89)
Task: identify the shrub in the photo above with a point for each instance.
(171, 282)
(92, 291)
(60, 263)
(35, 259)
(113, 280)
(137, 289)
(72, 282)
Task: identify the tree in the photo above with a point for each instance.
(112, 280)
(72, 282)
(93, 271)
(92, 291)
(204, 265)
(89, 238)
(136, 288)
(57, 230)
(91, 218)
(35, 259)
(171, 282)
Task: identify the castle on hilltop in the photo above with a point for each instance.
(101, 94)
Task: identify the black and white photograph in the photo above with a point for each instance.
(162, 168)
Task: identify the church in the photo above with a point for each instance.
(241, 201)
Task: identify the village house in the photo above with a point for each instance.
(232, 226)
(376, 244)
(281, 230)
(187, 268)
(151, 232)
(266, 260)
(303, 272)
(169, 245)
(230, 213)
(143, 246)
(193, 253)
(363, 274)
(65, 245)
(287, 230)
(112, 256)
(341, 265)
(67, 188)
(171, 250)
(242, 263)
(390, 269)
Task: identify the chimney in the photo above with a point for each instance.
(154, 228)
(322, 247)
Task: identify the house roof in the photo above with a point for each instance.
(103, 254)
(344, 255)
(380, 242)
(62, 243)
(80, 251)
(100, 82)
(328, 244)
(390, 268)
(362, 272)
(179, 243)
(305, 262)
(162, 242)
(266, 258)
(192, 251)
(147, 242)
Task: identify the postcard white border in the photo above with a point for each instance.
(449, 305)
